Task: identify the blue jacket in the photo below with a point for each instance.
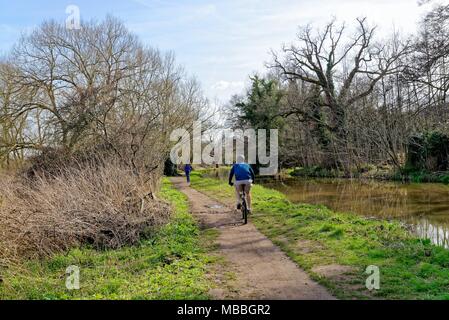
(242, 172)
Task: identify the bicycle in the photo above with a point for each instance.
(244, 206)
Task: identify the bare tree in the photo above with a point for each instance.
(100, 86)
(14, 138)
(339, 73)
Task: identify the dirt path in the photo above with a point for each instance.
(262, 270)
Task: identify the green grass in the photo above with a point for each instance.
(171, 264)
(372, 172)
(314, 236)
(424, 176)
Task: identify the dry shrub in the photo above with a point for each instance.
(55, 161)
(106, 206)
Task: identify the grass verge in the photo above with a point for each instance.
(171, 264)
(336, 248)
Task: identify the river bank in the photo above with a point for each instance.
(369, 172)
(383, 173)
(422, 208)
(336, 248)
(174, 262)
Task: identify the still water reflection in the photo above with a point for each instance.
(424, 206)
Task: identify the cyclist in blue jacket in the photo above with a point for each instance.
(244, 179)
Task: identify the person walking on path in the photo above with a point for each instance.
(188, 169)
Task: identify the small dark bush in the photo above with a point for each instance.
(428, 151)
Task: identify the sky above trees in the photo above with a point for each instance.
(220, 42)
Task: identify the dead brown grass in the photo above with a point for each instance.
(105, 206)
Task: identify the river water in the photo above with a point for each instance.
(425, 207)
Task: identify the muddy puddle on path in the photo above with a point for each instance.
(425, 207)
(215, 206)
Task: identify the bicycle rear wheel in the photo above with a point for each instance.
(245, 218)
(244, 211)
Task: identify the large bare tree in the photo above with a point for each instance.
(100, 86)
(339, 70)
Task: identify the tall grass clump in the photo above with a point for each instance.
(101, 204)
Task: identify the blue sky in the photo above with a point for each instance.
(220, 42)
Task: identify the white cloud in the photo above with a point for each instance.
(223, 85)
